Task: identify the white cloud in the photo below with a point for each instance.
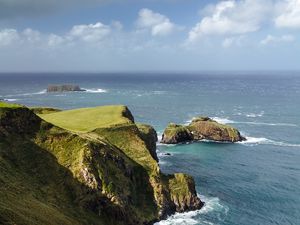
(275, 39)
(232, 18)
(91, 32)
(228, 42)
(289, 16)
(117, 25)
(158, 24)
(8, 36)
(55, 40)
(31, 35)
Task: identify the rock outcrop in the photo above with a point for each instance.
(149, 136)
(201, 128)
(51, 175)
(64, 88)
(174, 134)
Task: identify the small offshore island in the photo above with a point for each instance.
(84, 166)
(64, 88)
(201, 128)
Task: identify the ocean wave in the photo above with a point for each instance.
(95, 90)
(252, 141)
(253, 115)
(223, 120)
(28, 94)
(212, 204)
(10, 99)
(228, 121)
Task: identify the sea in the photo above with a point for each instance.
(254, 182)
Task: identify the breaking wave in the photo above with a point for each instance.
(253, 115)
(95, 90)
(28, 94)
(10, 99)
(252, 141)
(228, 121)
(212, 204)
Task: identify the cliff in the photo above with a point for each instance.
(201, 128)
(84, 166)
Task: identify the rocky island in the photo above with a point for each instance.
(201, 128)
(63, 88)
(84, 166)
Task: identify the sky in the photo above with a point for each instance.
(149, 35)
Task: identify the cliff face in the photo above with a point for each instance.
(108, 175)
(201, 128)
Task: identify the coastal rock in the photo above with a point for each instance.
(44, 110)
(208, 129)
(174, 134)
(64, 88)
(201, 128)
(149, 136)
(183, 193)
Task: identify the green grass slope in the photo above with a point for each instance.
(84, 166)
(88, 119)
(9, 105)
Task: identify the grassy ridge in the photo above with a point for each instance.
(9, 105)
(88, 119)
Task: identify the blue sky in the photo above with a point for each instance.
(149, 35)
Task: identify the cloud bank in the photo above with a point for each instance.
(227, 29)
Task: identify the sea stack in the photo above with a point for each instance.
(201, 128)
(64, 88)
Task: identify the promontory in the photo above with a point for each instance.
(84, 166)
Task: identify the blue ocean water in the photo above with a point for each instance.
(254, 182)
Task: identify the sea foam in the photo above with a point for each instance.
(10, 99)
(27, 94)
(212, 205)
(228, 121)
(95, 90)
(252, 141)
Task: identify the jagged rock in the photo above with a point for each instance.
(201, 128)
(127, 114)
(149, 136)
(64, 88)
(174, 134)
(44, 110)
(183, 192)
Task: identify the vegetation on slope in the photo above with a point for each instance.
(89, 119)
(9, 105)
(201, 128)
(105, 175)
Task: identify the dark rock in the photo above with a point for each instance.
(149, 136)
(174, 134)
(64, 88)
(214, 131)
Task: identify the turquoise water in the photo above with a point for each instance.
(254, 182)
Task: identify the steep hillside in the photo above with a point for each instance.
(93, 166)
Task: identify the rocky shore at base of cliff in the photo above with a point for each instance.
(201, 128)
